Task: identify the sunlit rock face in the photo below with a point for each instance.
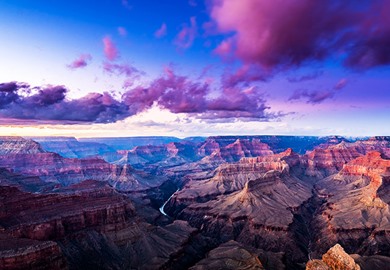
(356, 213)
(334, 258)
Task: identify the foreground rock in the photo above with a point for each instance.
(335, 258)
(230, 255)
(22, 253)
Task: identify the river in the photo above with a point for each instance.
(162, 207)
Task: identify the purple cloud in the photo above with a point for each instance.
(50, 104)
(175, 93)
(82, 61)
(306, 77)
(179, 94)
(120, 69)
(340, 84)
(110, 50)
(283, 34)
(244, 75)
(161, 32)
(187, 35)
(316, 97)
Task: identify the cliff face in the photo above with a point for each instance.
(84, 226)
(326, 160)
(355, 214)
(16, 253)
(172, 154)
(235, 151)
(252, 201)
(51, 167)
(18, 145)
(26, 215)
(230, 177)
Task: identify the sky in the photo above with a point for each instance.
(194, 67)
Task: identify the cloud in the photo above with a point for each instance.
(110, 50)
(307, 77)
(283, 34)
(174, 93)
(186, 36)
(50, 104)
(81, 62)
(122, 31)
(244, 75)
(130, 72)
(179, 94)
(340, 84)
(161, 32)
(316, 97)
(120, 69)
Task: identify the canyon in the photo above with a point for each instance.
(221, 202)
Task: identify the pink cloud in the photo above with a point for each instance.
(122, 31)
(110, 50)
(161, 32)
(283, 34)
(80, 62)
(186, 36)
(225, 49)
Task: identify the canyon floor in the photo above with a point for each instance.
(222, 202)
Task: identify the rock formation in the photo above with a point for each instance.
(230, 255)
(335, 258)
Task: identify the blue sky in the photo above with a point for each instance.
(209, 67)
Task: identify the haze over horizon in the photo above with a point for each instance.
(194, 68)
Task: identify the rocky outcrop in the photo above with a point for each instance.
(335, 258)
(18, 145)
(22, 253)
(230, 255)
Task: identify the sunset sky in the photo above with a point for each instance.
(192, 67)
